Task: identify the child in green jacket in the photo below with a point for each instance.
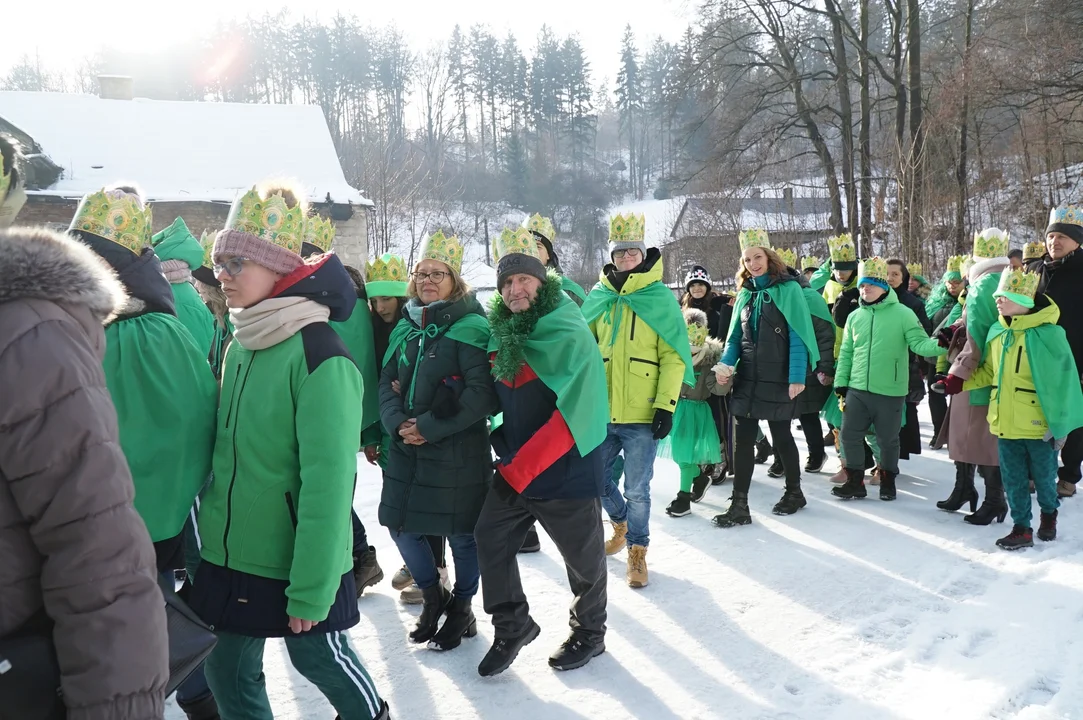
(1033, 405)
(873, 376)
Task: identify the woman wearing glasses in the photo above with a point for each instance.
(275, 520)
(436, 394)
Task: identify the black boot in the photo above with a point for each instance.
(815, 462)
(994, 507)
(504, 651)
(681, 505)
(436, 600)
(792, 500)
(763, 451)
(1020, 537)
(887, 485)
(737, 514)
(366, 569)
(777, 469)
(1047, 531)
(964, 491)
(531, 543)
(204, 708)
(460, 622)
(701, 483)
(384, 714)
(853, 488)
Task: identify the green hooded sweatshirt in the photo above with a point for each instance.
(176, 242)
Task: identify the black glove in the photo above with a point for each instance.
(663, 423)
(943, 338)
(841, 391)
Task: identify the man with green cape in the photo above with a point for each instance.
(550, 380)
(644, 342)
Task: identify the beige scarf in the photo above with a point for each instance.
(698, 352)
(268, 323)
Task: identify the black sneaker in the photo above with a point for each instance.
(681, 506)
(700, 486)
(1019, 538)
(575, 653)
(504, 651)
(815, 464)
(776, 470)
(531, 543)
(718, 474)
(791, 502)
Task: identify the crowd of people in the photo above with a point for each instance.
(195, 408)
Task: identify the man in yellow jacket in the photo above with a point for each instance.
(644, 344)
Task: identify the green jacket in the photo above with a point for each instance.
(176, 242)
(875, 342)
(284, 465)
(642, 371)
(356, 332)
(1025, 365)
(166, 400)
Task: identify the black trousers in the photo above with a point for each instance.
(744, 451)
(938, 406)
(1072, 456)
(814, 434)
(575, 529)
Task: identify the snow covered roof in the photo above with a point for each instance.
(179, 151)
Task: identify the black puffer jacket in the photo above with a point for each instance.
(912, 301)
(814, 397)
(707, 304)
(1062, 281)
(761, 388)
(438, 488)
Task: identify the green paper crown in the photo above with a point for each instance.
(319, 232)
(914, 269)
(756, 237)
(269, 219)
(842, 248)
(697, 334)
(1033, 250)
(788, 257)
(810, 262)
(447, 250)
(515, 241)
(1018, 284)
(206, 241)
(116, 216)
(386, 276)
(874, 267)
(630, 228)
(991, 243)
(541, 225)
(968, 262)
(1067, 214)
(955, 263)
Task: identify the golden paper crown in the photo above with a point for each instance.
(319, 232)
(442, 248)
(755, 237)
(842, 248)
(630, 228)
(116, 216)
(515, 241)
(991, 243)
(268, 219)
(968, 262)
(697, 334)
(810, 262)
(387, 267)
(874, 267)
(955, 263)
(1033, 250)
(914, 269)
(788, 257)
(206, 241)
(1018, 282)
(1066, 214)
(541, 225)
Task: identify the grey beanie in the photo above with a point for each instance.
(516, 263)
(640, 245)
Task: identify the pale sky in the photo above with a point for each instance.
(63, 35)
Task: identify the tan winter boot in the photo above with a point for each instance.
(616, 543)
(838, 478)
(637, 566)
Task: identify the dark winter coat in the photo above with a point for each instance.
(72, 545)
(708, 305)
(917, 382)
(438, 488)
(815, 394)
(761, 386)
(1063, 283)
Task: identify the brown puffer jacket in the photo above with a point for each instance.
(70, 540)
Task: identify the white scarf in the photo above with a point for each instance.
(698, 353)
(271, 321)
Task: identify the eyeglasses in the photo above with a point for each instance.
(436, 277)
(618, 254)
(232, 267)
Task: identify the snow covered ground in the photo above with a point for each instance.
(862, 610)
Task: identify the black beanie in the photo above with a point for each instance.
(516, 263)
(1073, 231)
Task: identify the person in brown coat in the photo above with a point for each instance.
(76, 557)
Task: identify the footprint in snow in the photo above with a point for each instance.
(978, 643)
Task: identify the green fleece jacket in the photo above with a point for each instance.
(357, 334)
(176, 242)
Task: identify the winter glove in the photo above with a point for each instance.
(663, 423)
(1055, 443)
(943, 338)
(948, 385)
(841, 391)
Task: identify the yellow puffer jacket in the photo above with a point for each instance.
(642, 371)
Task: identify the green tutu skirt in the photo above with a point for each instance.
(694, 439)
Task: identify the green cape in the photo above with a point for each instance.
(656, 305)
(561, 349)
(356, 333)
(819, 279)
(569, 285)
(1054, 372)
(795, 307)
(981, 315)
(816, 305)
(176, 242)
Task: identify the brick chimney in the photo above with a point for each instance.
(115, 87)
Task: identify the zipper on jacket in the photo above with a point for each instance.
(293, 510)
(645, 362)
(233, 395)
(1018, 358)
(632, 336)
(868, 365)
(233, 478)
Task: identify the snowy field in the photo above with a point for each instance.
(862, 610)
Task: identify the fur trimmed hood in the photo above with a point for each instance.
(37, 263)
(712, 352)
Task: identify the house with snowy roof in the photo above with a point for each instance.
(191, 159)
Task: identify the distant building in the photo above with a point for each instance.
(190, 158)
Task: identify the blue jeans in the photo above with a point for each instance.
(416, 552)
(634, 506)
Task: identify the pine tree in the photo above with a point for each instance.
(629, 105)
